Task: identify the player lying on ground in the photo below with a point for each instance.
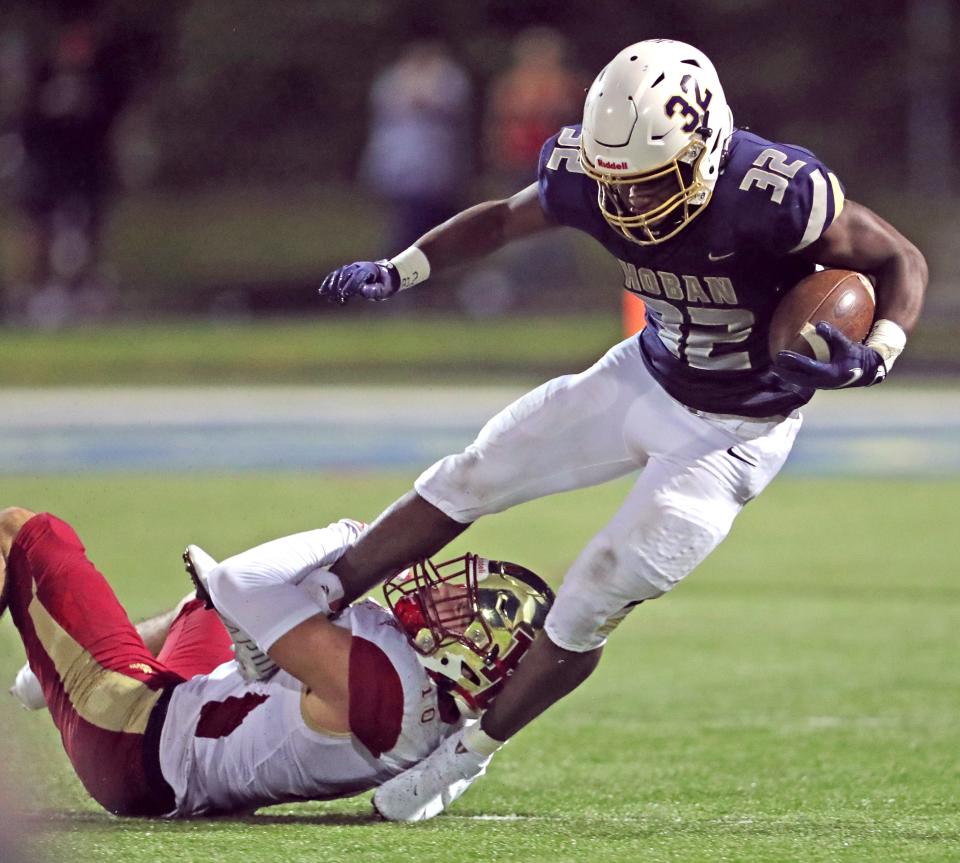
(173, 725)
(710, 225)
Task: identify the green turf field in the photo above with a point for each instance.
(360, 345)
(796, 699)
(352, 348)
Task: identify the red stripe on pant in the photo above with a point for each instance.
(62, 605)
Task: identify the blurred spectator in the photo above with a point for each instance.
(70, 98)
(419, 152)
(529, 102)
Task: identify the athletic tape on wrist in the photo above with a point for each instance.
(412, 266)
(888, 339)
(479, 742)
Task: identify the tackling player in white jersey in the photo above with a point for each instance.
(164, 720)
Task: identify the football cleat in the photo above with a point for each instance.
(26, 689)
(198, 565)
(430, 786)
(254, 663)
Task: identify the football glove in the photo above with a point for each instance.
(851, 364)
(372, 280)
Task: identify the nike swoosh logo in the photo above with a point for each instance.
(855, 375)
(733, 451)
(711, 256)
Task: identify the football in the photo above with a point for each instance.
(843, 298)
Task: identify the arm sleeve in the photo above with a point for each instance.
(272, 588)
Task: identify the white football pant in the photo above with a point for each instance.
(698, 470)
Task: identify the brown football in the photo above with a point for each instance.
(843, 298)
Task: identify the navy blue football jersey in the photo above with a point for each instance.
(711, 290)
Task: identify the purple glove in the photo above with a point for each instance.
(851, 364)
(372, 280)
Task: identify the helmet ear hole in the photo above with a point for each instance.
(470, 674)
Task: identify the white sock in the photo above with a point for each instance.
(479, 742)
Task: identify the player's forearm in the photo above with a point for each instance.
(861, 240)
(483, 229)
(901, 285)
(466, 237)
(272, 588)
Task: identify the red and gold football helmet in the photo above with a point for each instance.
(470, 620)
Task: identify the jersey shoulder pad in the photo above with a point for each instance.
(784, 197)
(567, 194)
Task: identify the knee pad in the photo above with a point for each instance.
(667, 550)
(609, 579)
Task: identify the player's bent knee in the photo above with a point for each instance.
(609, 580)
(11, 520)
(465, 486)
(668, 550)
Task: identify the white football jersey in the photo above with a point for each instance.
(228, 745)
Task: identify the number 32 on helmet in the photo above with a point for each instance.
(655, 117)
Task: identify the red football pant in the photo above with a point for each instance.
(106, 692)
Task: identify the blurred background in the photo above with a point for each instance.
(216, 159)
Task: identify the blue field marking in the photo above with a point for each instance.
(310, 429)
(222, 447)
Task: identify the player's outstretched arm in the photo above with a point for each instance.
(860, 240)
(469, 235)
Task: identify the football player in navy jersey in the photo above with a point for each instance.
(711, 225)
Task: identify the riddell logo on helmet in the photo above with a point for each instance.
(612, 166)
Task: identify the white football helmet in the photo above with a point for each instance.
(655, 115)
(470, 620)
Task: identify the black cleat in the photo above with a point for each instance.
(202, 593)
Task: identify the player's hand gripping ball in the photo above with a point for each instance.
(372, 280)
(816, 332)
